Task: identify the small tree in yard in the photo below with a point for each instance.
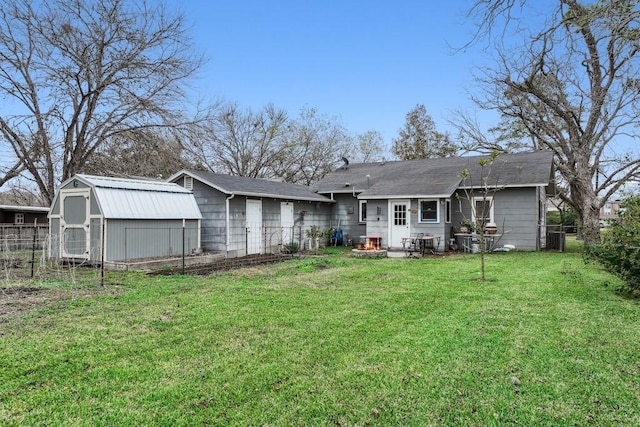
(620, 249)
(480, 197)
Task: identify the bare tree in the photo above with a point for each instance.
(79, 73)
(572, 86)
(315, 145)
(369, 147)
(242, 142)
(479, 191)
(419, 138)
(139, 153)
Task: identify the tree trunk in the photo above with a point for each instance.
(587, 213)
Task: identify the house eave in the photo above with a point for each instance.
(406, 196)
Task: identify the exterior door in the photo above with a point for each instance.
(74, 224)
(286, 222)
(254, 227)
(399, 226)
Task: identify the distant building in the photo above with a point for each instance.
(609, 211)
(23, 215)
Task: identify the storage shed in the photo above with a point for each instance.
(246, 216)
(130, 219)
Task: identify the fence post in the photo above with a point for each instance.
(183, 248)
(102, 246)
(33, 247)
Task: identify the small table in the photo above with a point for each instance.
(420, 244)
(426, 242)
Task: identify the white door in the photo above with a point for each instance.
(286, 222)
(254, 226)
(75, 240)
(399, 226)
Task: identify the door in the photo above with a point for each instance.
(286, 222)
(399, 227)
(74, 224)
(254, 227)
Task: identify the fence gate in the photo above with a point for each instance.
(74, 224)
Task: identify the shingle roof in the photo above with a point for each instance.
(253, 187)
(436, 177)
(141, 199)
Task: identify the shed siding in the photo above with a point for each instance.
(55, 209)
(54, 237)
(95, 234)
(213, 209)
(95, 209)
(135, 239)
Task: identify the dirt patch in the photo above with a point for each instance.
(17, 301)
(225, 264)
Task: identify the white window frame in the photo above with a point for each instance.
(362, 219)
(428, 221)
(488, 199)
(19, 219)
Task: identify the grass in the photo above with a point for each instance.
(334, 341)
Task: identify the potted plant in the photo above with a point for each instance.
(466, 226)
(314, 234)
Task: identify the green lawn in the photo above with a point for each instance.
(334, 341)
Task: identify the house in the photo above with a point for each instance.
(97, 219)
(609, 212)
(21, 215)
(244, 216)
(398, 199)
(22, 226)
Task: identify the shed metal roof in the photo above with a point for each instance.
(120, 198)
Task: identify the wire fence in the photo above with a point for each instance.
(27, 259)
(82, 255)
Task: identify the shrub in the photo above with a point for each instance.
(291, 248)
(620, 249)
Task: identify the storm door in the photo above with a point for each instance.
(399, 225)
(74, 223)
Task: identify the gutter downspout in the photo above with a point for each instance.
(228, 220)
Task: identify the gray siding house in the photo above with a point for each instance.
(399, 199)
(243, 216)
(130, 219)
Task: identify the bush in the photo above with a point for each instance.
(291, 248)
(620, 249)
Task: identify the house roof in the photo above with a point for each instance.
(34, 209)
(436, 177)
(120, 198)
(253, 187)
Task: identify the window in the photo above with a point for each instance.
(19, 218)
(363, 211)
(482, 210)
(447, 210)
(429, 211)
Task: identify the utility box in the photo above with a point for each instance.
(556, 240)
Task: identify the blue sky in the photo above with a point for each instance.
(368, 63)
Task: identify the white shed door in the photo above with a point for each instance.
(254, 226)
(286, 221)
(74, 224)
